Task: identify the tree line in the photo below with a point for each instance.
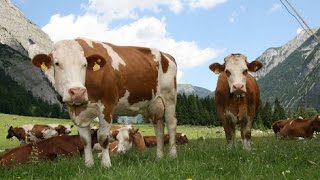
(193, 110)
(15, 99)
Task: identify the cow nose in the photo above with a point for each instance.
(77, 92)
(238, 86)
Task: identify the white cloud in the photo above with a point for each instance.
(237, 13)
(298, 31)
(205, 4)
(275, 7)
(147, 31)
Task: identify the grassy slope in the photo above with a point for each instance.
(200, 159)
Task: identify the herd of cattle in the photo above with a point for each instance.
(41, 142)
(99, 80)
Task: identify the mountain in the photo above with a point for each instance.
(188, 89)
(19, 40)
(292, 72)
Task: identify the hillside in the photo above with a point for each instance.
(189, 89)
(295, 80)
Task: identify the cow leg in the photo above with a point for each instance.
(171, 125)
(230, 129)
(103, 139)
(85, 135)
(246, 133)
(159, 131)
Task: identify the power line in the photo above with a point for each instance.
(299, 18)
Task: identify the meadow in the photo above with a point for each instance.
(205, 157)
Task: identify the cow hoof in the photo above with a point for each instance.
(105, 164)
(89, 163)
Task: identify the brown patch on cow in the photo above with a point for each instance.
(164, 63)
(37, 130)
(18, 132)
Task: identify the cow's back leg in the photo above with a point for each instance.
(103, 138)
(85, 135)
(159, 131)
(246, 126)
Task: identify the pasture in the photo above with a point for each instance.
(202, 158)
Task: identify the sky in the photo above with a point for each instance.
(196, 32)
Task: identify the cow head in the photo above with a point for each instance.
(63, 129)
(236, 69)
(69, 65)
(10, 133)
(316, 123)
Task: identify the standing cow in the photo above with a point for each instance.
(237, 96)
(97, 79)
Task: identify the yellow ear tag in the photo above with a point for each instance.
(216, 71)
(96, 66)
(43, 67)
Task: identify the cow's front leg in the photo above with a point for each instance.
(230, 129)
(85, 135)
(103, 139)
(159, 131)
(246, 126)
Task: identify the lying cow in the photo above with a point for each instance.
(180, 139)
(301, 128)
(97, 79)
(46, 149)
(278, 125)
(237, 96)
(36, 132)
(124, 138)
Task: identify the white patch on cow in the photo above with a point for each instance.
(230, 116)
(291, 122)
(124, 107)
(88, 41)
(48, 133)
(236, 65)
(71, 70)
(85, 134)
(27, 127)
(156, 54)
(116, 59)
(123, 138)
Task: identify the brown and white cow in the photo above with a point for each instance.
(278, 125)
(36, 132)
(237, 96)
(180, 139)
(46, 149)
(97, 79)
(301, 128)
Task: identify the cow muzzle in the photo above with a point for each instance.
(238, 89)
(77, 96)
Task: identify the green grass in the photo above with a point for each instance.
(270, 158)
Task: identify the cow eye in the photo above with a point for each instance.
(245, 72)
(228, 73)
(85, 65)
(56, 64)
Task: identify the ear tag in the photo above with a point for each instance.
(43, 67)
(96, 66)
(216, 71)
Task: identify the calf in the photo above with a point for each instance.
(301, 128)
(97, 79)
(237, 96)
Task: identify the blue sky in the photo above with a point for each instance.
(196, 32)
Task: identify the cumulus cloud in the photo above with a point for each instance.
(147, 31)
(205, 4)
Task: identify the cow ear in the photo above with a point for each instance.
(254, 66)
(42, 61)
(217, 68)
(71, 126)
(11, 127)
(95, 62)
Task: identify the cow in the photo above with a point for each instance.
(278, 125)
(46, 149)
(237, 96)
(36, 132)
(180, 139)
(98, 79)
(301, 128)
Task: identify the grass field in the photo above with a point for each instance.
(205, 158)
